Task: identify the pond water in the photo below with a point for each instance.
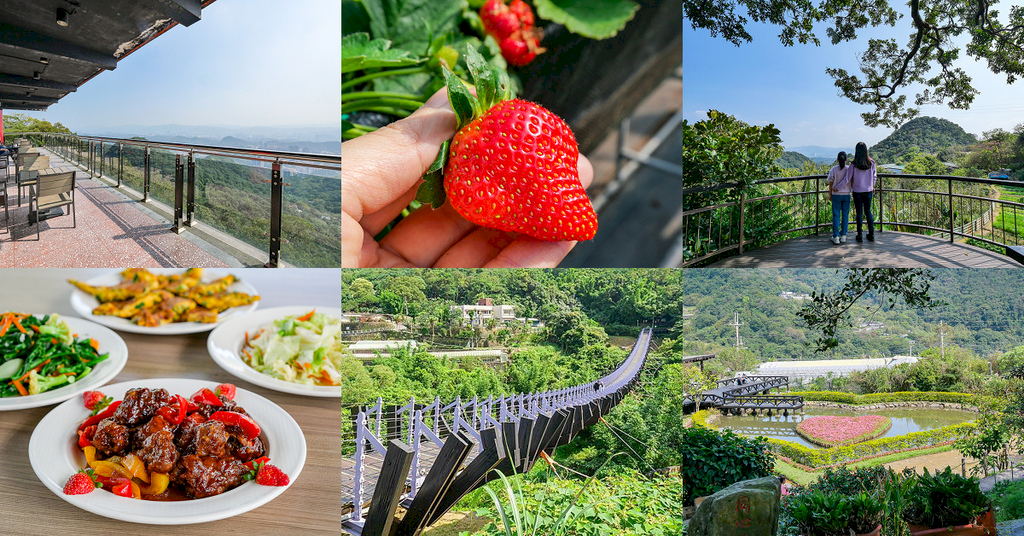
(904, 421)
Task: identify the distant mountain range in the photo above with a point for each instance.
(812, 151)
(316, 139)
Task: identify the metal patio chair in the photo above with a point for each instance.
(52, 191)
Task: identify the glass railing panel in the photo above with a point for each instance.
(133, 171)
(310, 217)
(233, 196)
(161, 178)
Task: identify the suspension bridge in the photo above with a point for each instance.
(425, 457)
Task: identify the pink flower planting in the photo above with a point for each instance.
(833, 430)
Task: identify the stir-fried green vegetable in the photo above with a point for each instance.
(40, 353)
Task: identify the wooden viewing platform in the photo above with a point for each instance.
(891, 249)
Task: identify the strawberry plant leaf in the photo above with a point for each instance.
(359, 53)
(597, 19)
(466, 106)
(412, 24)
(483, 78)
(442, 158)
(432, 189)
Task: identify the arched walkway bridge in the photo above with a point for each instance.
(747, 394)
(426, 457)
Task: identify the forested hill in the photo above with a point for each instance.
(791, 159)
(983, 312)
(929, 134)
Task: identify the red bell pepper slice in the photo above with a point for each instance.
(206, 396)
(118, 485)
(230, 418)
(103, 415)
(85, 436)
(172, 415)
(251, 464)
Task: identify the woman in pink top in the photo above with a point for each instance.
(862, 177)
(839, 181)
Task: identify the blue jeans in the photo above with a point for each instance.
(862, 201)
(840, 207)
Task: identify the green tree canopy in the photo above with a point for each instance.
(24, 123)
(930, 57)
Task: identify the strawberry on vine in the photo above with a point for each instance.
(512, 164)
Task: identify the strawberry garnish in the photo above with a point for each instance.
(95, 401)
(226, 390)
(270, 475)
(512, 165)
(80, 483)
(265, 474)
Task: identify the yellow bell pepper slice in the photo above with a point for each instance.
(158, 484)
(136, 492)
(90, 455)
(108, 469)
(136, 467)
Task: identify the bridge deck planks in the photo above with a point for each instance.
(891, 249)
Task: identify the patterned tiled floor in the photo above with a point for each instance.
(111, 232)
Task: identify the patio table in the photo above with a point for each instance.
(309, 506)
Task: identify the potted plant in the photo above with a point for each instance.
(947, 503)
(818, 513)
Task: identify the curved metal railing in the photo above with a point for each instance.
(728, 218)
(507, 433)
(271, 220)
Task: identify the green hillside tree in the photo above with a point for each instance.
(931, 57)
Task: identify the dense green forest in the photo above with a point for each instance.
(792, 159)
(928, 134)
(980, 313)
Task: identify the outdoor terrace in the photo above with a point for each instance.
(153, 204)
(922, 221)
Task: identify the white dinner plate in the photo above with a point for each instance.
(109, 343)
(225, 346)
(54, 454)
(83, 303)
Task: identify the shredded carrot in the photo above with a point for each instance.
(35, 327)
(306, 316)
(17, 324)
(36, 368)
(20, 387)
(247, 354)
(95, 344)
(6, 325)
(246, 340)
(326, 377)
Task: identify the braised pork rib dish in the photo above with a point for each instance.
(157, 446)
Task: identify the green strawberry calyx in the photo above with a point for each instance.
(492, 86)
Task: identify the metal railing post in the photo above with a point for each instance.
(101, 158)
(951, 219)
(817, 209)
(120, 162)
(276, 201)
(881, 217)
(145, 176)
(743, 205)
(357, 486)
(190, 212)
(179, 195)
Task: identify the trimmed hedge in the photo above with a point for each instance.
(821, 457)
(882, 398)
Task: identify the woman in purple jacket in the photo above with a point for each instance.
(862, 176)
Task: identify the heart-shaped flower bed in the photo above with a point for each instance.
(835, 431)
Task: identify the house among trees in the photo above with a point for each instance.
(891, 168)
(485, 310)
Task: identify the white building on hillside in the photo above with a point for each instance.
(807, 370)
(485, 310)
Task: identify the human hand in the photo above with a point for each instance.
(381, 172)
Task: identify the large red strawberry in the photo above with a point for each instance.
(512, 165)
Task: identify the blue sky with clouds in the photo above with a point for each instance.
(764, 82)
(246, 63)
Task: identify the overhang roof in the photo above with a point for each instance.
(41, 61)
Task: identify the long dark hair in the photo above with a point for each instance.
(861, 160)
(841, 159)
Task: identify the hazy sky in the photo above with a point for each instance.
(764, 82)
(247, 62)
